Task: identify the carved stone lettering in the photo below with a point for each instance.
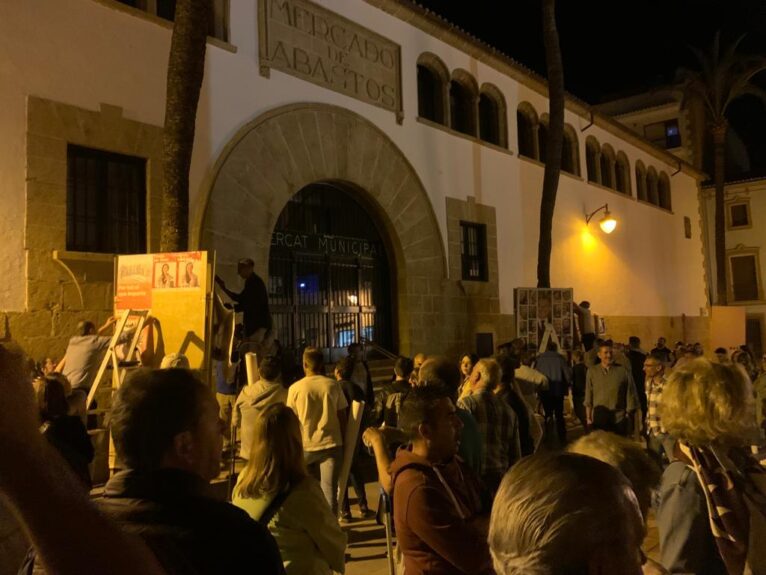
(308, 41)
(323, 244)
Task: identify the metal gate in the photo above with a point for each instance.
(328, 288)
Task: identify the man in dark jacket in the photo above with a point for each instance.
(388, 401)
(252, 301)
(167, 434)
(553, 366)
(441, 526)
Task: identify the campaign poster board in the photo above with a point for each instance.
(174, 287)
(537, 307)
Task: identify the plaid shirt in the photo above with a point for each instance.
(654, 396)
(498, 427)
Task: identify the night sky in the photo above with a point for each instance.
(614, 48)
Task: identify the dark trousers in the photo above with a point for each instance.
(553, 406)
(579, 409)
(607, 420)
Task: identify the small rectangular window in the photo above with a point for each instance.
(166, 9)
(744, 277)
(474, 251)
(106, 202)
(687, 227)
(739, 216)
(672, 134)
(663, 134)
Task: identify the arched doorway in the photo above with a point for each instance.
(329, 272)
(277, 154)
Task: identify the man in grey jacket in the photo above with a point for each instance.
(256, 397)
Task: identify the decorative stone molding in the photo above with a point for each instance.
(273, 157)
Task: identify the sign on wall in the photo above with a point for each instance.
(539, 308)
(312, 43)
(174, 287)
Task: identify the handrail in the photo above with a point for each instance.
(371, 344)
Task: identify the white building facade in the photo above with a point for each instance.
(433, 138)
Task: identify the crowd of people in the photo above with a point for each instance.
(474, 455)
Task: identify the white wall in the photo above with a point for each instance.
(84, 52)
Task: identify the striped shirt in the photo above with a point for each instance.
(498, 427)
(654, 397)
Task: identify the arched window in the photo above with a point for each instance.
(542, 138)
(432, 88)
(526, 124)
(492, 116)
(663, 191)
(592, 154)
(462, 102)
(622, 174)
(641, 181)
(607, 166)
(652, 193)
(570, 154)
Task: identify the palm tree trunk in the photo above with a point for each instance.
(186, 68)
(719, 172)
(555, 69)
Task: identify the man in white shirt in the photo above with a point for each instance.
(320, 405)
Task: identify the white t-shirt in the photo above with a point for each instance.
(316, 400)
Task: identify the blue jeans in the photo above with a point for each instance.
(324, 466)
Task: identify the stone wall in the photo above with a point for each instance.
(62, 288)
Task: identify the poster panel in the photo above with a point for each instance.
(538, 309)
(174, 288)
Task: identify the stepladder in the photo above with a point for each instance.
(118, 361)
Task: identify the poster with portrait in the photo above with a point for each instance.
(540, 308)
(174, 288)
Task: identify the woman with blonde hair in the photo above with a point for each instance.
(275, 489)
(711, 509)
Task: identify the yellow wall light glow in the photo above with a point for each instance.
(607, 222)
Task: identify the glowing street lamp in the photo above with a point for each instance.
(607, 223)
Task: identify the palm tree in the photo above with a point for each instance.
(555, 69)
(186, 68)
(721, 79)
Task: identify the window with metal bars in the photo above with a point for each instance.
(106, 202)
(474, 251)
(218, 21)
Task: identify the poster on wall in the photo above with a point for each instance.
(173, 287)
(139, 276)
(540, 308)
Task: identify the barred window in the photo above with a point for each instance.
(474, 251)
(106, 202)
(166, 9)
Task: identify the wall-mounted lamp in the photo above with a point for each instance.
(607, 223)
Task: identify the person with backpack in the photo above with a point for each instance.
(712, 511)
(276, 490)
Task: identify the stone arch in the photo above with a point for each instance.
(274, 156)
(433, 84)
(593, 159)
(622, 173)
(607, 161)
(570, 153)
(527, 127)
(463, 102)
(493, 115)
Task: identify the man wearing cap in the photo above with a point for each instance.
(252, 301)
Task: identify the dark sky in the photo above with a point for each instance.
(611, 48)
